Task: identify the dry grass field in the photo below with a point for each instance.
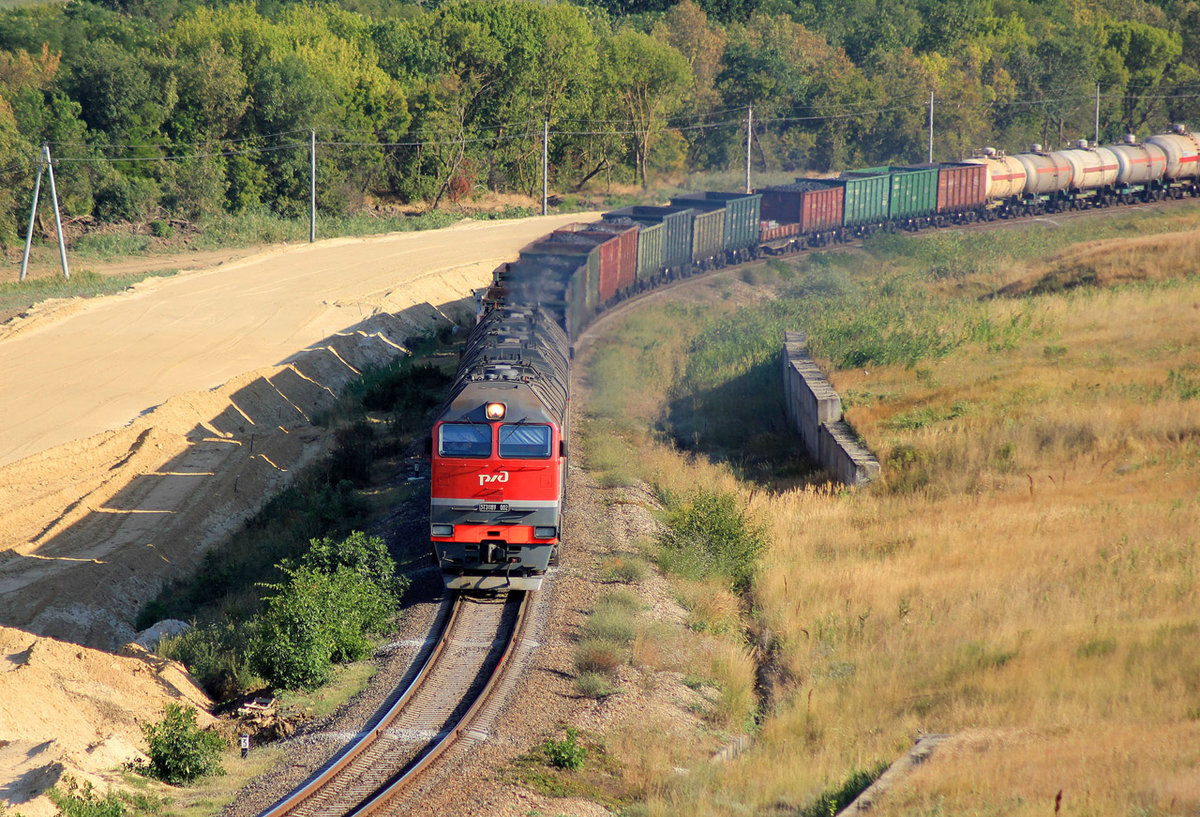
(1023, 578)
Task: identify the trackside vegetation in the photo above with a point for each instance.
(179, 750)
(299, 589)
(1022, 573)
(75, 799)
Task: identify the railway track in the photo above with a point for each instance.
(468, 657)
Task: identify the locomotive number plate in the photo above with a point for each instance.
(492, 507)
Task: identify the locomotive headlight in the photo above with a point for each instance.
(494, 411)
(544, 533)
(441, 530)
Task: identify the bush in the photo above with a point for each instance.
(403, 388)
(834, 800)
(340, 593)
(366, 555)
(624, 569)
(314, 620)
(610, 623)
(180, 751)
(216, 655)
(351, 458)
(713, 534)
(566, 754)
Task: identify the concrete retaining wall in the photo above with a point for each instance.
(815, 411)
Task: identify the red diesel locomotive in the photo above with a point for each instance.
(499, 454)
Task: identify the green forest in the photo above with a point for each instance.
(184, 108)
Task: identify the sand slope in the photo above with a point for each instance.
(137, 430)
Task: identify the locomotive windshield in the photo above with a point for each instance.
(465, 440)
(530, 442)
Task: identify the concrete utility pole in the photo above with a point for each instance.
(45, 163)
(545, 164)
(1097, 115)
(749, 134)
(312, 186)
(931, 127)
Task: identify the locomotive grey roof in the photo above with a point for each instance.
(517, 356)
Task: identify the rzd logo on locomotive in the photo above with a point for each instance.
(499, 476)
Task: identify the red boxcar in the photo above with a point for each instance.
(609, 246)
(627, 254)
(814, 204)
(961, 187)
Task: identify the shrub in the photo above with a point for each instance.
(566, 754)
(403, 388)
(180, 751)
(314, 620)
(217, 655)
(351, 458)
(366, 555)
(834, 800)
(610, 623)
(340, 593)
(713, 534)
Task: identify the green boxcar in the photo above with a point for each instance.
(650, 238)
(677, 229)
(914, 191)
(708, 235)
(868, 194)
(578, 314)
(742, 214)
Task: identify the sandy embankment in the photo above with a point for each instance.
(139, 429)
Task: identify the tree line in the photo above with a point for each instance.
(187, 108)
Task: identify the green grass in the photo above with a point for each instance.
(19, 295)
(959, 254)
(598, 779)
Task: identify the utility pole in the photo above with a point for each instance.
(931, 127)
(1097, 115)
(749, 134)
(545, 165)
(45, 163)
(312, 186)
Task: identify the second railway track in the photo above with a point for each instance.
(477, 639)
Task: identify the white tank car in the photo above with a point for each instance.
(1046, 173)
(1091, 168)
(1182, 150)
(1139, 164)
(1005, 176)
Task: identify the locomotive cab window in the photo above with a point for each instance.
(465, 440)
(529, 442)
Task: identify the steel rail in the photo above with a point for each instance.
(394, 787)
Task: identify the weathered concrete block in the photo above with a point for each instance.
(814, 410)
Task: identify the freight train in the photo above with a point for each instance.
(498, 450)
